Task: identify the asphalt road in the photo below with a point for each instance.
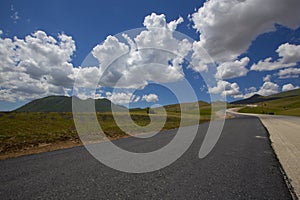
(241, 166)
(285, 137)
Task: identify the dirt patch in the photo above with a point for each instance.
(40, 148)
(46, 147)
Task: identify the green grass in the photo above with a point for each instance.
(285, 106)
(19, 130)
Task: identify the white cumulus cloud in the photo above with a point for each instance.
(237, 68)
(150, 98)
(288, 54)
(122, 98)
(226, 89)
(154, 55)
(288, 87)
(268, 88)
(36, 66)
(227, 27)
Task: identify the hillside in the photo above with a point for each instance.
(284, 103)
(188, 107)
(176, 109)
(64, 104)
(258, 98)
(253, 99)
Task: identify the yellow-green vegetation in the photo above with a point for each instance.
(27, 129)
(21, 130)
(284, 103)
(281, 106)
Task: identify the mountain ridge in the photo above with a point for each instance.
(256, 98)
(64, 104)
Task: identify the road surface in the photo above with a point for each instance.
(285, 137)
(241, 166)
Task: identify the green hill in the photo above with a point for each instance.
(64, 104)
(253, 99)
(176, 109)
(284, 103)
(291, 93)
(258, 98)
(189, 107)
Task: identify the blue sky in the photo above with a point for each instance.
(237, 37)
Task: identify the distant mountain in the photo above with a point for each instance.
(258, 98)
(64, 104)
(253, 99)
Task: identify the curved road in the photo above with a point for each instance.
(241, 166)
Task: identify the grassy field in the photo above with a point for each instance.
(285, 106)
(25, 130)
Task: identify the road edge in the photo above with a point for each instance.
(285, 176)
(287, 180)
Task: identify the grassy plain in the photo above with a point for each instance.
(20, 131)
